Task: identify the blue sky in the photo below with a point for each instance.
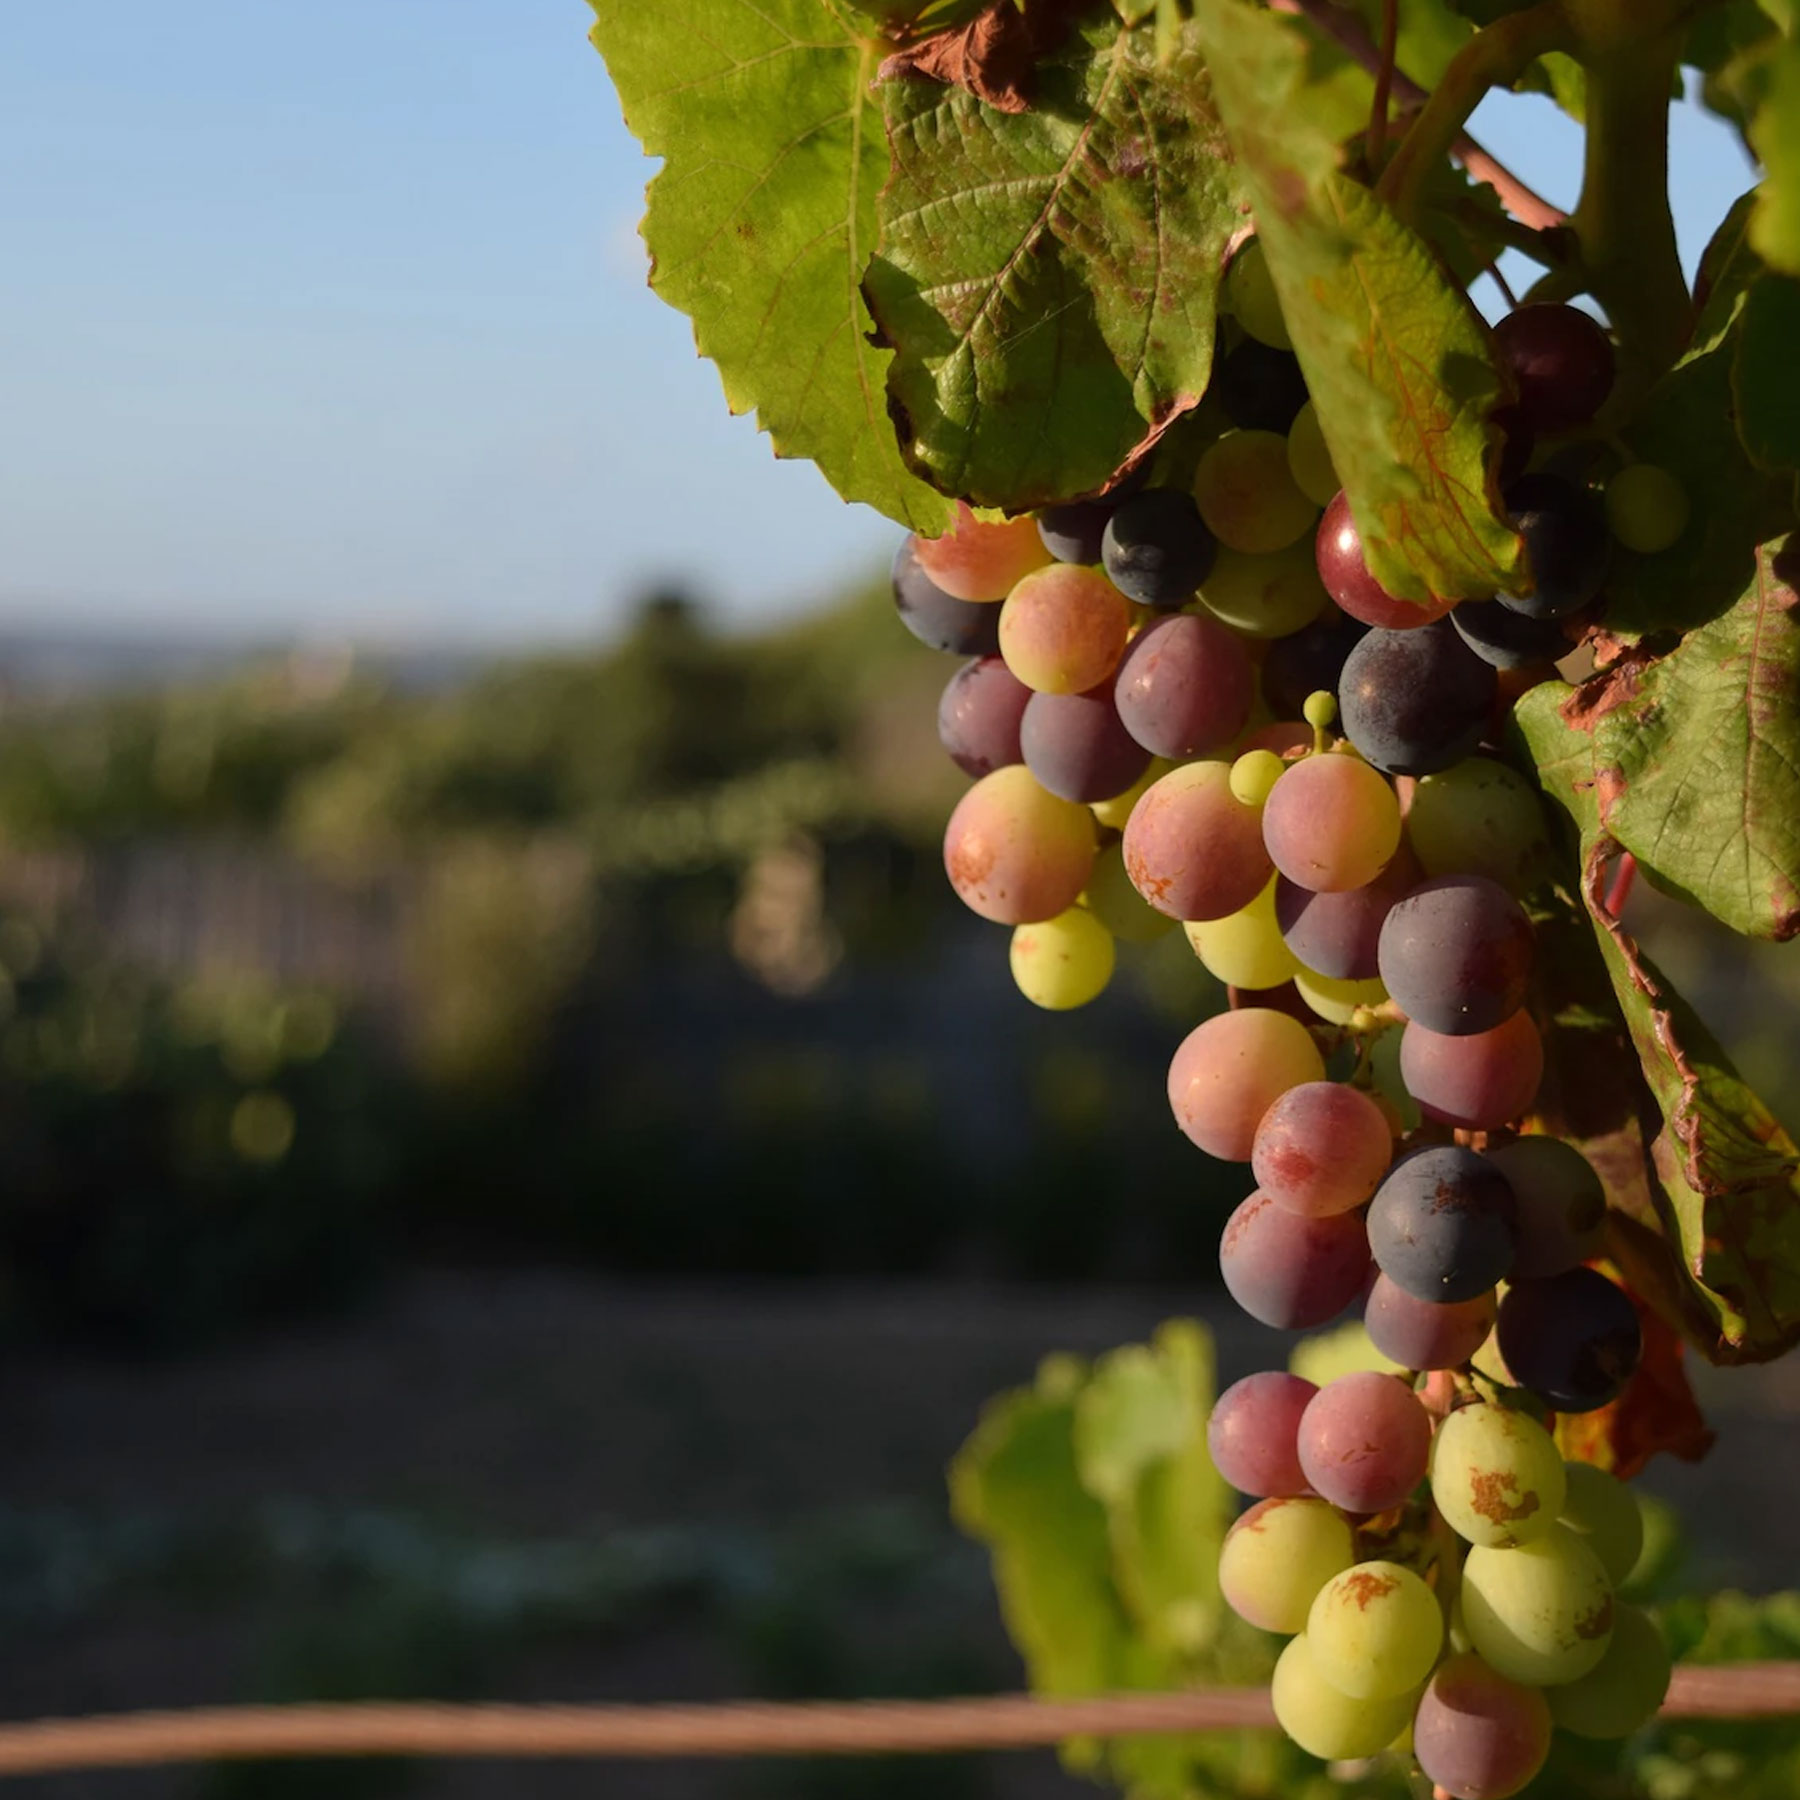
(331, 319)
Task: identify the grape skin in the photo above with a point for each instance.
(1309, 458)
(1338, 554)
(1441, 1225)
(1497, 1476)
(1622, 1692)
(1077, 747)
(1331, 824)
(1480, 817)
(1247, 496)
(1426, 1334)
(1562, 1206)
(1339, 935)
(1063, 629)
(1063, 962)
(1566, 543)
(1365, 1441)
(981, 561)
(1338, 1002)
(1477, 1735)
(1414, 702)
(1250, 294)
(1539, 1614)
(1646, 508)
(1309, 661)
(1325, 1722)
(1229, 1070)
(1259, 387)
(1476, 1083)
(1244, 949)
(1572, 1338)
(1375, 1630)
(1604, 1512)
(1508, 639)
(1185, 687)
(1072, 532)
(1252, 1434)
(1561, 361)
(1156, 550)
(967, 627)
(1321, 1148)
(1192, 848)
(1276, 1558)
(1111, 898)
(1456, 954)
(1288, 1272)
(979, 715)
(1016, 854)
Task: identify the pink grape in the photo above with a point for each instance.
(1331, 823)
(1185, 686)
(1016, 854)
(1193, 849)
(976, 560)
(1365, 1441)
(1230, 1070)
(1290, 1272)
(1477, 1083)
(1321, 1148)
(1063, 629)
(1253, 1433)
(1477, 1735)
(1421, 1334)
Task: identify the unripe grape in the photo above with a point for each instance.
(1309, 458)
(1622, 1692)
(1604, 1512)
(1063, 962)
(1276, 1558)
(1646, 508)
(1245, 948)
(1375, 1631)
(1063, 629)
(1250, 294)
(1539, 1614)
(1326, 1722)
(1248, 498)
(1497, 1476)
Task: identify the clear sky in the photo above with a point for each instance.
(331, 318)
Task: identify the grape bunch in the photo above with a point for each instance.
(1190, 701)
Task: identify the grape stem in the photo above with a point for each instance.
(1384, 84)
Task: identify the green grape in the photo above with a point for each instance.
(1309, 460)
(1480, 817)
(1254, 774)
(1249, 501)
(1265, 596)
(1245, 949)
(1062, 962)
(1602, 1510)
(1646, 507)
(1624, 1689)
(1325, 1721)
(1114, 812)
(1276, 1558)
(1497, 1476)
(1540, 1614)
(1375, 1631)
(1250, 293)
(1338, 1001)
(1111, 898)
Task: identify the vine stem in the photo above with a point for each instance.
(1384, 84)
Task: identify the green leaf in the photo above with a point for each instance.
(1396, 358)
(1048, 280)
(1728, 266)
(1765, 377)
(1762, 89)
(763, 217)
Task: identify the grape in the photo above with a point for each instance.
(1156, 550)
(1338, 1001)
(1309, 458)
(1260, 388)
(1277, 1557)
(1572, 1338)
(1561, 362)
(1622, 1692)
(1365, 1441)
(1338, 553)
(1508, 639)
(1308, 661)
(1230, 1070)
(1254, 775)
(1185, 687)
(1425, 1334)
(1441, 1224)
(977, 560)
(1284, 738)
(1246, 495)
(1016, 854)
(1288, 1272)
(1566, 543)
(1475, 1083)
(970, 628)
(1338, 935)
(1517, 442)
(1063, 629)
(1250, 294)
(1603, 1511)
(1562, 1206)
(1414, 702)
(1114, 813)
(1244, 949)
(1076, 746)
(1111, 898)
(1072, 532)
(1497, 1476)
(1477, 1735)
(1541, 1613)
(1325, 1722)
(1455, 954)
(1375, 1630)
(1321, 1148)
(1252, 1433)
(979, 715)
(1062, 962)
(1480, 818)
(1264, 596)
(1192, 848)
(1331, 824)
(1646, 508)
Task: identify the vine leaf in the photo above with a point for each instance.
(1706, 1201)
(994, 55)
(1765, 377)
(1765, 80)
(1395, 357)
(763, 216)
(1048, 280)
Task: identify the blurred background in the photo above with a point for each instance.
(515, 1172)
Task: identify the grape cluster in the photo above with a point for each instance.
(1149, 717)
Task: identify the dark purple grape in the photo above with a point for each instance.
(1185, 687)
(1573, 1338)
(1261, 388)
(1508, 639)
(979, 716)
(967, 627)
(1289, 1271)
(1156, 548)
(1516, 445)
(1562, 1206)
(1339, 935)
(1308, 661)
(1442, 1225)
(1456, 955)
(1414, 702)
(1072, 532)
(1561, 361)
(1254, 1431)
(1077, 748)
(1566, 541)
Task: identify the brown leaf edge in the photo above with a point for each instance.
(994, 56)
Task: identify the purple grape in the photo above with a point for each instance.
(1309, 661)
(1456, 955)
(1573, 1338)
(1253, 1434)
(1185, 686)
(1561, 361)
(1077, 748)
(1260, 388)
(979, 716)
(1423, 1334)
(967, 627)
(1477, 1083)
(1289, 1271)
(1562, 1206)
(1072, 532)
(1442, 1225)
(1566, 542)
(1508, 639)
(1478, 1734)
(1414, 702)
(1156, 548)
(1339, 935)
